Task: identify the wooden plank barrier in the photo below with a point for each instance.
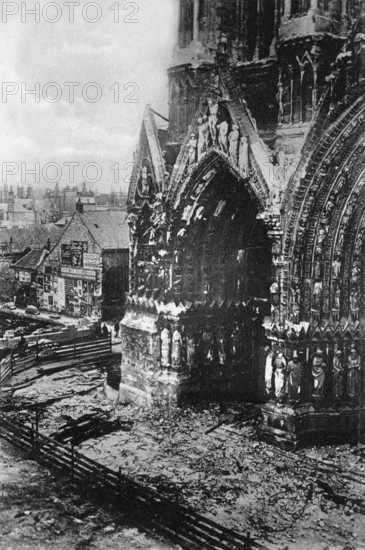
(18, 362)
(146, 505)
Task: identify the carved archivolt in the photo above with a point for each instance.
(324, 234)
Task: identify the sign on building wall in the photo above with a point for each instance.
(91, 261)
(61, 297)
(86, 274)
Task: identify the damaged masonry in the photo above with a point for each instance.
(247, 220)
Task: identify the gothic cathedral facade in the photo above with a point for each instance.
(247, 219)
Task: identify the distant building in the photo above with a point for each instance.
(15, 241)
(26, 276)
(86, 273)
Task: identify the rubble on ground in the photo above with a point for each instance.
(214, 463)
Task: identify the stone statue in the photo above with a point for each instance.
(203, 135)
(236, 341)
(221, 347)
(190, 350)
(132, 222)
(269, 368)
(165, 348)
(294, 374)
(192, 146)
(243, 156)
(338, 372)
(208, 346)
(213, 120)
(337, 298)
(223, 128)
(317, 270)
(354, 305)
(234, 143)
(336, 268)
(317, 295)
(280, 375)
(318, 372)
(274, 293)
(176, 348)
(353, 373)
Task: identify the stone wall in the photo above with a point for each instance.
(140, 358)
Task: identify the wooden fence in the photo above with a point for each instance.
(145, 505)
(20, 361)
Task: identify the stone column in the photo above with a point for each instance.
(344, 17)
(259, 30)
(314, 8)
(287, 9)
(196, 20)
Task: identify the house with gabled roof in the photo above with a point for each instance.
(86, 272)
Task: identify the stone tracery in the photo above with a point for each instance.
(248, 228)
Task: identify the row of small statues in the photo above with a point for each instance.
(288, 375)
(215, 129)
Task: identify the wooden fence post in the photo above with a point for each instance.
(32, 437)
(72, 460)
(119, 483)
(248, 545)
(36, 418)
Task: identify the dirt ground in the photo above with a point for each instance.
(38, 511)
(225, 473)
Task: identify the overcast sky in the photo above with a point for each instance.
(57, 130)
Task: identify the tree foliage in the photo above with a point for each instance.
(7, 284)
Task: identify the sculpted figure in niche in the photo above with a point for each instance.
(208, 346)
(165, 348)
(192, 146)
(221, 341)
(294, 374)
(274, 293)
(336, 269)
(243, 156)
(296, 297)
(355, 274)
(318, 372)
(320, 240)
(234, 143)
(223, 136)
(340, 241)
(337, 298)
(354, 305)
(213, 120)
(236, 341)
(176, 348)
(269, 369)
(353, 373)
(190, 350)
(317, 295)
(132, 222)
(317, 270)
(203, 135)
(280, 375)
(338, 372)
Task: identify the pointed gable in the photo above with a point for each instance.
(148, 174)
